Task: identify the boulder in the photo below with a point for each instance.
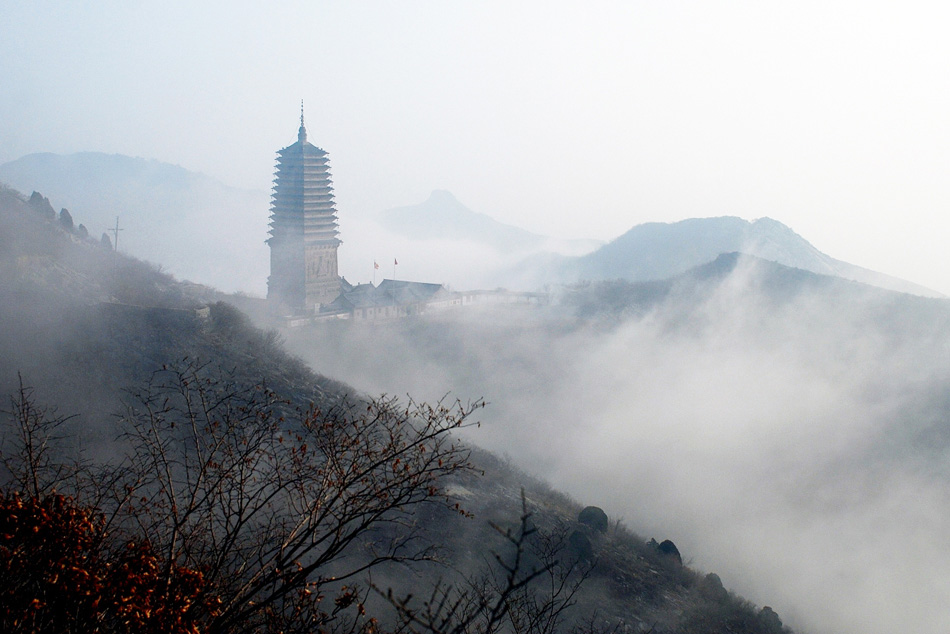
(594, 517)
(669, 549)
(770, 621)
(40, 204)
(712, 587)
(66, 219)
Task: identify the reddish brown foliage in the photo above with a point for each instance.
(54, 576)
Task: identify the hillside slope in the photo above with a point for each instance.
(80, 325)
(166, 213)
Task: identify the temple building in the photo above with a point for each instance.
(390, 299)
(303, 230)
(305, 286)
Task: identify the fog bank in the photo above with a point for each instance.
(791, 439)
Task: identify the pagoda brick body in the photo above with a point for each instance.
(303, 230)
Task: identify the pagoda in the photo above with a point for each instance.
(303, 229)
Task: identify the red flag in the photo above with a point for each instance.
(395, 261)
(375, 265)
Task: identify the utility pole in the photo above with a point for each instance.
(115, 251)
(395, 310)
(115, 232)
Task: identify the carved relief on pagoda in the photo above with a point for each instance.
(321, 263)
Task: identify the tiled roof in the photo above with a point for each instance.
(388, 293)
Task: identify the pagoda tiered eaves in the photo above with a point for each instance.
(303, 228)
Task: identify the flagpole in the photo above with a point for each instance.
(395, 262)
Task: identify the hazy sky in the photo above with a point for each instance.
(571, 119)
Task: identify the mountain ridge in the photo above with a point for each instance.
(656, 250)
(443, 217)
(166, 213)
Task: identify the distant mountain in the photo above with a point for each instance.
(191, 224)
(773, 283)
(655, 251)
(443, 217)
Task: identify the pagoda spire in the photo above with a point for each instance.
(302, 132)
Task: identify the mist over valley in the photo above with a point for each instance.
(784, 424)
(790, 426)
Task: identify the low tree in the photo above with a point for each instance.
(280, 511)
(28, 447)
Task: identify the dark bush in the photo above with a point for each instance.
(580, 545)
